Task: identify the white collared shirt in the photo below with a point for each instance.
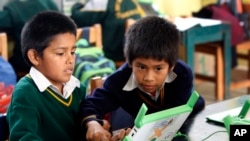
(132, 84)
(43, 83)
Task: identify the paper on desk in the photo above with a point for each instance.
(218, 117)
(186, 23)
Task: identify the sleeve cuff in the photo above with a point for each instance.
(91, 118)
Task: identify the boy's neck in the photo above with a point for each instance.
(153, 93)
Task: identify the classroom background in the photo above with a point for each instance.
(202, 61)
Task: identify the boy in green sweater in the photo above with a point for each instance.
(45, 102)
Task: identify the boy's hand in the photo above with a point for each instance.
(119, 135)
(96, 132)
(106, 125)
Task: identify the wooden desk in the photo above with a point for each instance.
(198, 35)
(199, 128)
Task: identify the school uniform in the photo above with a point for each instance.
(120, 90)
(38, 111)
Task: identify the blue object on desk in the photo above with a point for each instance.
(7, 73)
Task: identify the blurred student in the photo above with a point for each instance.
(45, 102)
(152, 75)
(13, 17)
(112, 15)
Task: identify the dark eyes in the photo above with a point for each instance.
(158, 68)
(141, 67)
(62, 53)
(73, 52)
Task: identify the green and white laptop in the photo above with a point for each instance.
(162, 125)
(241, 112)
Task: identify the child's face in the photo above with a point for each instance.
(58, 59)
(150, 74)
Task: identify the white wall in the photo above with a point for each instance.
(178, 7)
(2, 2)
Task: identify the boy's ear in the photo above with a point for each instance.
(33, 57)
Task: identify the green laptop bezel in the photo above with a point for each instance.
(142, 118)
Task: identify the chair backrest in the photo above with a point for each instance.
(3, 46)
(95, 82)
(94, 36)
(128, 23)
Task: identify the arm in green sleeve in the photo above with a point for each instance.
(23, 117)
(86, 18)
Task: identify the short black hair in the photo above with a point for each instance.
(38, 32)
(152, 37)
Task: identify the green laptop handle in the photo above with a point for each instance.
(193, 98)
(244, 109)
(140, 115)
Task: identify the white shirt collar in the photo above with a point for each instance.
(132, 84)
(43, 83)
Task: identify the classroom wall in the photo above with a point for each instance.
(246, 1)
(206, 2)
(184, 7)
(178, 7)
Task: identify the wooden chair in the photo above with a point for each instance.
(95, 82)
(129, 22)
(95, 34)
(3, 46)
(215, 49)
(245, 83)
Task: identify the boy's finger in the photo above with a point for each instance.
(119, 135)
(106, 125)
(128, 131)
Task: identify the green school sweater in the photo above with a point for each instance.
(46, 116)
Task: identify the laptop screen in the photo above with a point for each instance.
(162, 125)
